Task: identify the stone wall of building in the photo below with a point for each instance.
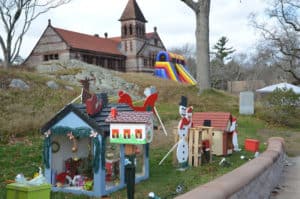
(49, 47)
(240, 86)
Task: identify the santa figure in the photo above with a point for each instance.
(234, 134)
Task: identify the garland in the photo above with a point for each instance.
(46, 152)
(78, 132)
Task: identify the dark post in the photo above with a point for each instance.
(130, 169)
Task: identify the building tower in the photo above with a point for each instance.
(133, 35)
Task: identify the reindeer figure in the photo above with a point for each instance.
(85, 92)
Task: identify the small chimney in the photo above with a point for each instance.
(155, 29)
(96, 35)
(113, 112)
(49, 22)
(105, 35)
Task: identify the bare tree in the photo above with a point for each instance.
(283, 36)
(16, 17)
(188, 51)
(201, 9)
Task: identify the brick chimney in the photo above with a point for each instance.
(113, 112)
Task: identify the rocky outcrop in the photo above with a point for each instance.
(104, 80)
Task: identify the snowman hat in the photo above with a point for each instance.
(183, 101)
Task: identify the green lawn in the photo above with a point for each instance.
(25, 112)
(25, 157)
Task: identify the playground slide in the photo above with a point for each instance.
(184, 75)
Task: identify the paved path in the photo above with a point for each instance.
(289, 186)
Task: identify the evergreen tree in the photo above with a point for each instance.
(222, 52)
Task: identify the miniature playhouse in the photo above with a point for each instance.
(84, 145)
(221, 135)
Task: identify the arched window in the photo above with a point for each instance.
(130, 29)
(137, 30)
(125, 30)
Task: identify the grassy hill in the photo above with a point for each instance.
(23, 112)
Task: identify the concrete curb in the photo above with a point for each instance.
(255, 179)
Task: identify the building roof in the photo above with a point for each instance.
(89, 42)
(132, 11)
(96, 121)
(282, 86)
(130, 117)
(219, 120)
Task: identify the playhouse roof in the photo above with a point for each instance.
(219, 120)
(97, 122)
(130, 117)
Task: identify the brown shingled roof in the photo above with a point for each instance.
(219, 120)
(132, 11)
(89, 42)
(130, 117)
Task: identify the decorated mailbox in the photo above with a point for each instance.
(130, 127)
(78, 154)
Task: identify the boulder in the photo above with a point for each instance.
(19, 84)
(52, 84)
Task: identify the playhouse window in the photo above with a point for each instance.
(138, 134)
(112, 164)
(126, 134)
(140, 160)
(115, 133)
(71, 168)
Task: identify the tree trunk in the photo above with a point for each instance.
(202, 44)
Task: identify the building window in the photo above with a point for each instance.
(155, 42)
(145, 62)
(130, 29)
(125, 30)
(51, 57)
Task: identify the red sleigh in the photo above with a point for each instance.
(149, 103)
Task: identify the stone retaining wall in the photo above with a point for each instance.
(255, 179)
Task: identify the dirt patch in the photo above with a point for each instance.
(292, 139)
(159, 137)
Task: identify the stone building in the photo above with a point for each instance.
(134, 50)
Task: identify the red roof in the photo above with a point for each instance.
(219, 120)
(150, 35)
(130, 117)
(89, 42)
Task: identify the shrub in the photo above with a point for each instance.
(282, 107)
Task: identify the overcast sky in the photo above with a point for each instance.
(174, 20)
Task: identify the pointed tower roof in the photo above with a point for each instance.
(132, 11)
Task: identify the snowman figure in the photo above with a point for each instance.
(234, 134)
(183, 128)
